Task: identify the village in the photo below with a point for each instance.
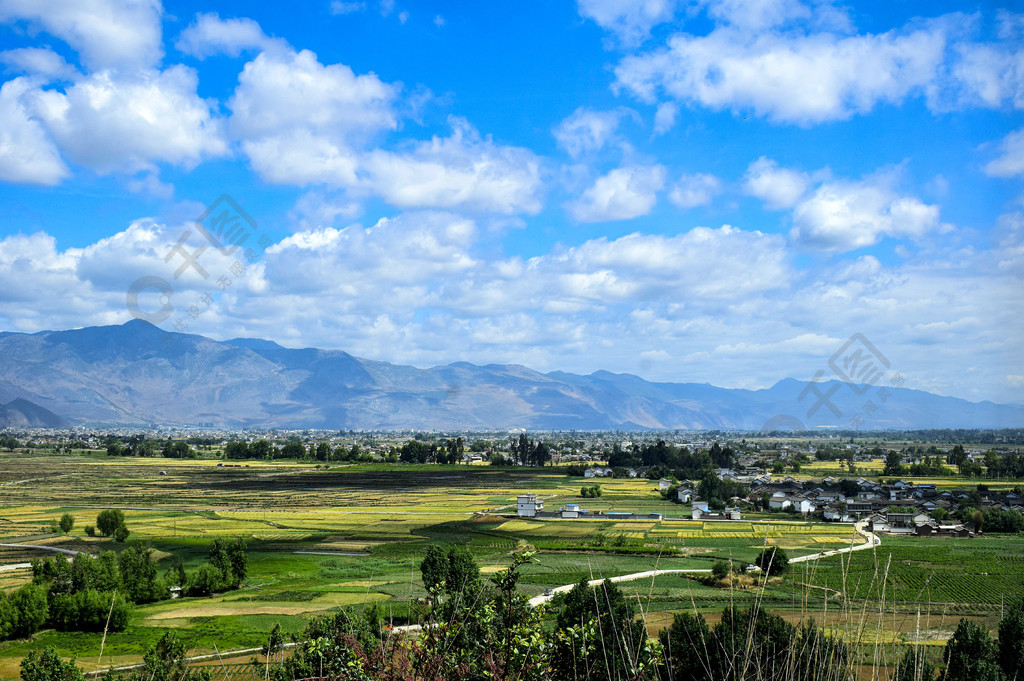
(896, 507)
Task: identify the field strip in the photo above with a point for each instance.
(195, 658)
(56, 549)
(872, 540)
(330, 553)
(21, 482)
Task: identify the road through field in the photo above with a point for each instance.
(871, 541)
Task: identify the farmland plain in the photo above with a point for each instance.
(324, 538)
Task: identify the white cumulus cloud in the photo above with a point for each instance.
(122, 34)
(209, 35)
(1010, 161)
(27, 155)
(695, 190)
(38, 61)
(587, 130)
(114, 122)
(770, 73)
(630, 20)
(462, 170)
(621, 194)
(335, 102)
(843, 216)
(777, 187)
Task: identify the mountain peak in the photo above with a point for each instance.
(124, 374)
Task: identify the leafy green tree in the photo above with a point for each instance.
(47, 665)
(893, 464)
(463, 575)
(293, 450)
(1011, 641)
(957, 456)
(139, 575)
(67, 521)
(219, 559)
(175, 574)
(621, 637)
(167, 661)
(23, 612)
(323, 451)
(109, 520)
(89, 610)
(90, 530)
(772, 561)
(238, 561)
(971, 654)
(720, 570)
(237, 449)
(450, 569)
(121, 534)
(754, 644)
(261, 449)
(205, 581)
(434, 567)
(688, 645)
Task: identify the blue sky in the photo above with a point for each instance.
(710, 191)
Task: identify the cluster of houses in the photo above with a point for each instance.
(529, 505)
(899, 507)
(873, 500)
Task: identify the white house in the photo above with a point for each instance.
(779, 501)
(528, 505)
(571, 511)
(805, 506)
(684, 495)
(833, 513)
(664, 484)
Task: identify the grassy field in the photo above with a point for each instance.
(320, 539)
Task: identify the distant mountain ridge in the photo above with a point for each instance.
(137, 374)
(20, 413)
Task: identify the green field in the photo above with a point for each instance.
(321, 539)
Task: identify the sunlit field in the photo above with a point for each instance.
(320, 539)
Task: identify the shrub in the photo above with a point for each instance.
(109, 520)
(772, 561)
(89, 610)
(47, 665)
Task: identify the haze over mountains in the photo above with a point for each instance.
(137, 374)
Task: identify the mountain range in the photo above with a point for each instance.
(136, 374)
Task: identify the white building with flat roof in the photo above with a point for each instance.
(528, 505)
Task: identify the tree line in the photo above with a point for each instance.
(480, 629)
(89, 593)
